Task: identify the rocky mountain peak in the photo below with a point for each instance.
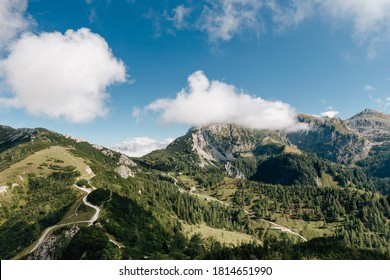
(10, 135)
(227, 142)
(372, 125)
(370, 113)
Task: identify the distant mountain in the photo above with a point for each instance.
(330, 138)
(371, 125)
(227, 142)
(10, 136)
(342, 141)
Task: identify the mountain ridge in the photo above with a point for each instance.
(331, 138)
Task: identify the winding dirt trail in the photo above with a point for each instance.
(97, 209)
(89, 222)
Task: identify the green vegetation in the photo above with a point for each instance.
(42, 163)
(45, 201)
(319, 248)
(83, 183)
(90, 243)
(78, 212)
(289, 169)
(359, 218)
(99, 196)
(229, 238)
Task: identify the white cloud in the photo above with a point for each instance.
(387, 102)
(381, 103)
(139, 146)
(368, 17)
(156, 19)
(290, 15)
(370, 20)
(136, 112)
(330, 114)
(368, 88)
(92, 15)
(62, 75)
(180, 14)
(377, 101)
(207, 102)
(224, 19)
(12, 20)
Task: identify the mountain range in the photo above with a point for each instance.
(219, 192)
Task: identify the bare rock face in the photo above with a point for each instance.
(341, 141)
(4, 189)
(123, 168)
(233, 172)
(124, 171)
(47, 249)
(372, 125)
(227, 142)
(125, 160)
(10, 135)
(108, 152)
(330, 138)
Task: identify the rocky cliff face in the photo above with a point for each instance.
(9, 135)
(341, 141)
(330, 138)
(47, 249)
(227, 142)
(371, 125)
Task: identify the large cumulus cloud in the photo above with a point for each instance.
(61, 75)
(206, 102)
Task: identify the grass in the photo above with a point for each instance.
(116, 242)
(78, 212)
(291, 150)
(221, 235)
(187, 181)
(310, 229)
(327, 180)
(224, 191)
(266, 230)
(39, 163)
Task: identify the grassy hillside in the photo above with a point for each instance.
(43, 163)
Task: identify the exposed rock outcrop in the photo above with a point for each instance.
(125, 172)
(226, 142)
(342, 141)
(330, 138)
(372, 125)
(47, 249)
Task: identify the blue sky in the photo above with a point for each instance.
(154, 68)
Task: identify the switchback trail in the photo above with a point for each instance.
(89, 222)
